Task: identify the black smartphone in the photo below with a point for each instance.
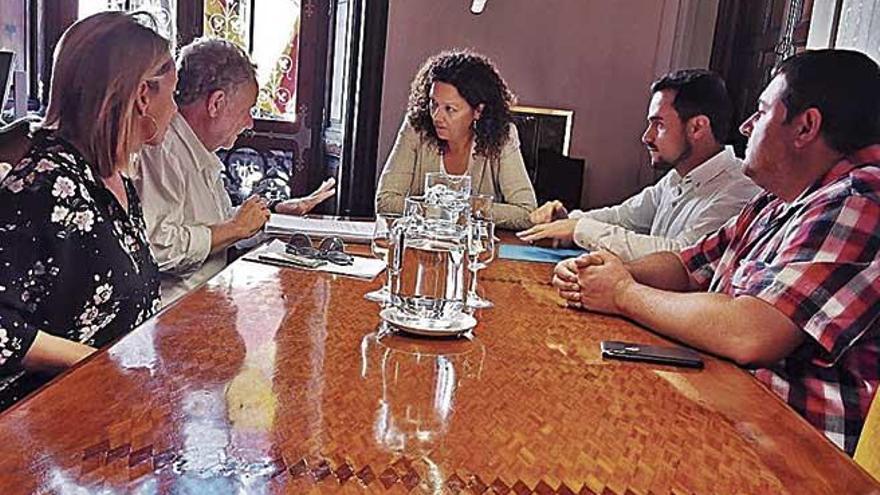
(676, 356)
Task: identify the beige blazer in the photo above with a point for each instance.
(413, 156)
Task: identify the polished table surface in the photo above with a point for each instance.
(272, 380)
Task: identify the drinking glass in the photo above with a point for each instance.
(481, 248)
(449, 187)
(379, 246)
(443, 217)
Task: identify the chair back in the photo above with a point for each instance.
(868, 449)
(15, 141)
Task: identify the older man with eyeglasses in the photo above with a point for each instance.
(190, 219)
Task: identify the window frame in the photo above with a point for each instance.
(48, 19)
(52, 17)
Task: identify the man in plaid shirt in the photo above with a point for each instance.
(790, 287)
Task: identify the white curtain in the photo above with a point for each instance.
(859, 27)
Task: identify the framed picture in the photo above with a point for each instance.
(545, 137)
(543, 128)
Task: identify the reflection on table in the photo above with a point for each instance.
(417, 383)
(272, 380)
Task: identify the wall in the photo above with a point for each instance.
(596, 57)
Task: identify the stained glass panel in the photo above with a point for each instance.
(165, 11)
(269, 31)
(229, 19)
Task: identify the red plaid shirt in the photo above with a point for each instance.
(815, 260)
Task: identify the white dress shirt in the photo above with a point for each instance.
(182, 193)
(671, 214)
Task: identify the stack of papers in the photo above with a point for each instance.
(273, 253)
(536, 253)
(349, 231)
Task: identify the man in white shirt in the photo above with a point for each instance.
(688, 119)
(189, 216)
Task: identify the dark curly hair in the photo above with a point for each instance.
(477, 80)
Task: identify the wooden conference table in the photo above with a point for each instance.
(271, 380)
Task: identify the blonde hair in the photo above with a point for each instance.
(99, 64)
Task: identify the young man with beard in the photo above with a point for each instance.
(688, 119)
(791, 286)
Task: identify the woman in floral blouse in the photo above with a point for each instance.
(75, 268)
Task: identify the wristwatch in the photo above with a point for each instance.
(273, 204)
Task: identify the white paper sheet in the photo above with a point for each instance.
(320, 227)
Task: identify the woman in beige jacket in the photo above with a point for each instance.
(458, 121)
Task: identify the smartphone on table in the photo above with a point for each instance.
(675, 356)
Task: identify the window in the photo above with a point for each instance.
(859, 25)
(13, 38)
(268, 30)
(340, 68)
(288, 40)
(13, 31)
(165, 11)
(341, 65)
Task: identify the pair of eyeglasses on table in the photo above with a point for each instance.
(330, 249)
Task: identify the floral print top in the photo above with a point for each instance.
(73, 262)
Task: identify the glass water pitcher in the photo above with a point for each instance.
(429, 257)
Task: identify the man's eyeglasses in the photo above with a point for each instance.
(331, 249)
